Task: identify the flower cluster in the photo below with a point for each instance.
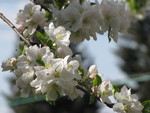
(39, 70)
(112, 13)
(48, 67)
(85, 20)
(79, 19)
(127, 102)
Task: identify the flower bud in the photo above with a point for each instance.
(21, 28)
(93, 71)
(25, 33)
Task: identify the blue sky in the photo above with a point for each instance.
(100, 50)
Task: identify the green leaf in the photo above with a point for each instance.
(128, 0)
(97, 80)
(44, 39)
(40, 62)
(41, 37)
(59, 4)
(81, 71)
(92, 99)
(21, 47)
(146, 105)
(115, 89)
(48, 15)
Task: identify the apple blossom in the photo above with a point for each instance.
(127, 102)
(112, 13)
(9, 64)
(61, 38)
(31, 17)
(105, 90)
(56, 78)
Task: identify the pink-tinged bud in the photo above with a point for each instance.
(93, 71)
(21, 28)
(94, 89)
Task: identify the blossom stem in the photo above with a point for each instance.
(14, 28)
(97, 98)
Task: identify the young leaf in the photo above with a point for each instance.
(92, 99)
(41, 37)
(146, 105)
(21, 47)
(81, 71)
(97, 80)
(40, 62)
(48, 15)
(115, 89)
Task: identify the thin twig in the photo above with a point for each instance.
(97, 98)
(14, 28)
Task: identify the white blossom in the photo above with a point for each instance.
(9, 64)
(24, 74)
(34, 52)
(127, 102)
(105, 90)
(61, 38)
(112, 15)
(31, 17)
(25, 66)
(58, 78)
(59, 34)
(79, 19)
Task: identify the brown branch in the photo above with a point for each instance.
(14, 28)
(97, 98)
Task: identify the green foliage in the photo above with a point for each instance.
(40, 62)
(21, 47)
(81, 71)
(48, 15)
(136, 5)
(45, 40)
(115, 89)
(60, 3)
(146, 105)
(97, 80)
(92, 99)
